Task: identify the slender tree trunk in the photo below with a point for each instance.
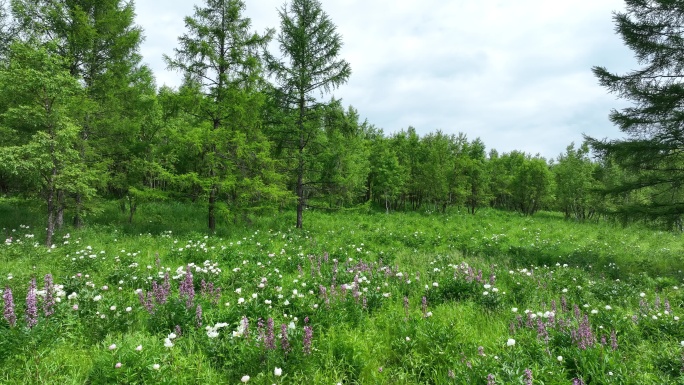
(300, 168)
(59, 221)
(212, 209)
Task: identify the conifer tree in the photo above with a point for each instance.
(219, 59)
(652, 150)
(310, 64)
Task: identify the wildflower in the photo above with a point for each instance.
(510, 342)
(31, 305)
(490, 379)
(528, 376)
(97, 298)
(435, 284)
(515, 310)
(408, 338)
(138, 348)
(244, 378)
(155, 366)
(168, 343)
(128, 309)
(560, 358)
(284, 343)
(112, 308)
(277, 372)
(72, 296)
(75, 307)
(172, 336)
(608, 307)
(112, 346)
(9, 313)
(642, 295)
(308, 336)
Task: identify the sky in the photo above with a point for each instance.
(516, 74)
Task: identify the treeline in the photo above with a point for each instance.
(248, 131)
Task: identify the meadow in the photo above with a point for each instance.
(357, 297)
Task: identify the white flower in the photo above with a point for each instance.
(241, 300)
(172, 336)
(244, 378)
(559, 358)
(608, 307)
(278, 371)
(676, 318)
(155, 366)
(212, 333)
(642, 295)
(408, 338)
(564, 290)
(138, 348)
(129, 309)
(238, 290)
(515, 310)
(72, 296)
(510, 342)
(168, 343)
(97, 298)
(487, 286)
(428, 314)
(594, 311)
(112, 346)
(435, 284)
(485, 293)
(112, 308)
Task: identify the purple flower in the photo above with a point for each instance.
(9, 313)
(490, 379)
(49, 302)
(528, 376)
(269, 340)
(308, 336)
(424, 306)
(284, 343)
(146, 301)
(31, 305)
(480, 350)
(187, 288)
(613, 340)
(406, 307)
(198, 315)
(161, 292)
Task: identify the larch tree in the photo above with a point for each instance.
(219, 57)
(653, 149)
(310, 47)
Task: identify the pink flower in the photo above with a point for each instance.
(118, 365)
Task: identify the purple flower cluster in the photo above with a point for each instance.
(528, 376)
(198, 316)
(8, 312)
(424, 306)
(269, 339)
(31, 305)
(308, 336)
(284, 342)
(583, 336)
(161, 292)
(490, 379)
(187, 288)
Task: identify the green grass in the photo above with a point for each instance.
(383, 334)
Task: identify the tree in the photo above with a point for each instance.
(575, 182)
(310, 47)
(219, 59)
(653, 150)
(98, 42)
(40, 98)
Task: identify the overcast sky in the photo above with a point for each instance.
(517, 74)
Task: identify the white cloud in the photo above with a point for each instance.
(517, 74)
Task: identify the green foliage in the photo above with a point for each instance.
(651, 150)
